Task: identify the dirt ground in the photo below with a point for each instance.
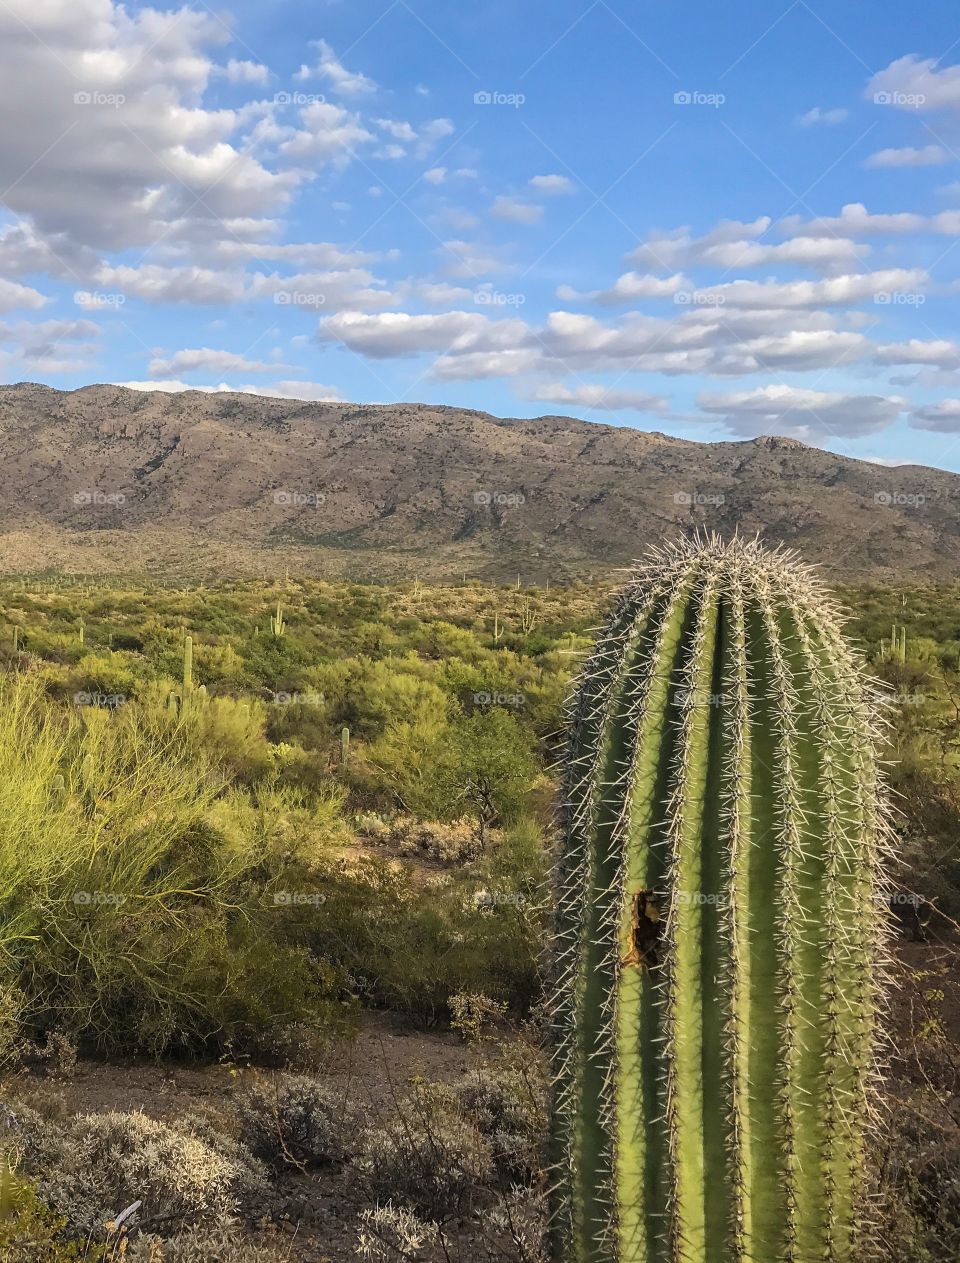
(318, 1210)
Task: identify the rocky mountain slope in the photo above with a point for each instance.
(109, 478)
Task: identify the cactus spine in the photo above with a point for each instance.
(719, 924)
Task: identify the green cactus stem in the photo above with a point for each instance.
(344, 746)
(720, 924)
(277, 626)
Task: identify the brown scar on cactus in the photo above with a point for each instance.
(645, 930)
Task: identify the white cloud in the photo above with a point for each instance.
(466, 260)
(245, 72)
(599, 398)
(436, 175)
(331, 70)
(937, 353)
(293, 390)
(927, 156)
(397, 333)
(942, 417)
(327, 133)
(13, 295)
(206, 360)
(158, 284)
(735, 245)
(809, 415)
(111, 99)
(627, 288)
(830, 292)
(820, 115)
(552, 185)
(515, 211)
(915, 83)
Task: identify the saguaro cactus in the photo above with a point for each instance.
(719, 925)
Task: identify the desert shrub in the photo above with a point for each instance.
(428, 1158)
(411, 945)
(200, 1245)
(508, 1105)
(32, 1233)
(129, 920)
(440, 841)
(94, 1166)
(919, 1201)
(295, 1120)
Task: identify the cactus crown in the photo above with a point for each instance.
(720, 923)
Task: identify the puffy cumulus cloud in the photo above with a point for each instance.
(515, 211)
(552, 185)
(935, 353)
(49, 346)
(855, 220)
(809, 415)
(943, 417)
(716, 341)
(206, 359)
(916, 83)
(109, 103)
(732, 244)
(834, 291)
(926, 156)
(397, 333)
(628, 288)
(293, 390)
(599, 398)
(818, 115)
(332, 71)
(155, 283)
(244, 72)
(331, 290)
(13, 295)
(325, 134)
(406, 139)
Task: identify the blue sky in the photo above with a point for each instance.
(714, 221)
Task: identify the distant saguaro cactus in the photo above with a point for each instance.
(277, 624)
(720, 923)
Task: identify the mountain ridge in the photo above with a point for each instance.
(105, 477)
